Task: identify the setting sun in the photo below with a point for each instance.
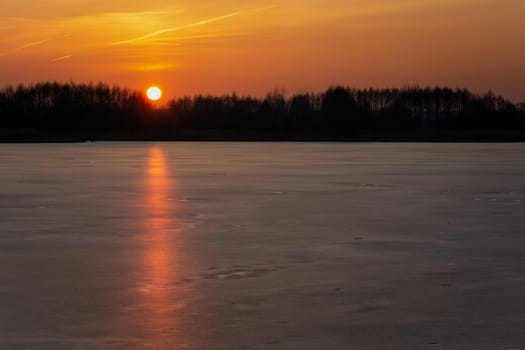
(154, 93)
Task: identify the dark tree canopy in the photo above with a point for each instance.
(341, 111)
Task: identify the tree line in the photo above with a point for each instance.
(84, 108)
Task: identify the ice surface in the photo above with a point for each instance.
(262, 246)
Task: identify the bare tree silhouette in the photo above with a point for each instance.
(339, 111)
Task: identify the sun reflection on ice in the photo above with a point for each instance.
(161, 262)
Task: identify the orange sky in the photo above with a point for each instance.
(252, 47)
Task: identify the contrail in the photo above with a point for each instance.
(61, 58)
(174, 29)
(25, 46)
(34, 43)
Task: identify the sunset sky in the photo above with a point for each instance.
(252, 47)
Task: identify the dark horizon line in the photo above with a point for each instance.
(277, 90)
(337, 112)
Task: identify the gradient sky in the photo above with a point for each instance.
(252, 47)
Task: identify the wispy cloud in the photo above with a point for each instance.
(25, 46)
(61, 58)
(152, 67)
(34, 43)
(182, 27)
(402, 7)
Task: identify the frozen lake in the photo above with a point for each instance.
(262, 246)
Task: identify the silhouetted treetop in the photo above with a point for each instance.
(66, 107)
(339, 109)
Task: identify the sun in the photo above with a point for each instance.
(154, 93)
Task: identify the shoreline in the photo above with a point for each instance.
(438, 136)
